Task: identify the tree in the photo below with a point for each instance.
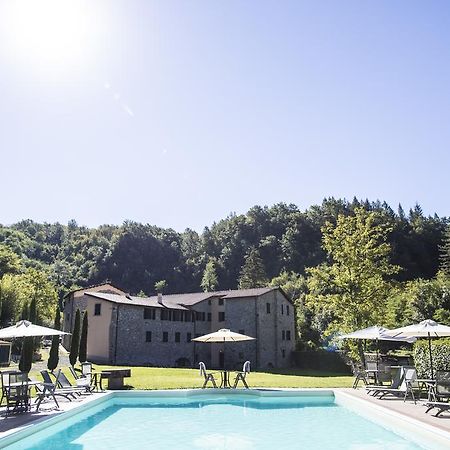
(253, 273)
(9, 261)
(75, 342)
(354, 284)
(209, 280)
(160, 286)
(445, 253)
(26, 357)
(82, 356)
(53, 357)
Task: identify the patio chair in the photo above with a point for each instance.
(207, 376)
(442, 393)
(17, 393)
(360, 374)
(407, 386)
(241, 376)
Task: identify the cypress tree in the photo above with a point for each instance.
(253, 273)
(75, 342)
(53, 357)
(26, 356)
(82, 356)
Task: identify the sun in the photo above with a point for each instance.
(50, 34)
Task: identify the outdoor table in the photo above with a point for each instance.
(115, 377)
(225, 376)
(430, 385)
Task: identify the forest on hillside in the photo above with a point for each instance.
(277, 243)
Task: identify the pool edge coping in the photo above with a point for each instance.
(15, 435)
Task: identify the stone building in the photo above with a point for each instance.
(157, 331)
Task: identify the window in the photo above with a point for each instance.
(282, 309)
(283, 335)
(177, 337)
(148, 336)
(268, 308)
(176, 316)
(187, 316)
(199, 316)
(209, 317)
(283, 353)
(188, 337)
(220, 301)
(203, 316)
(221, 316)
(97, 309)
(165, 336)
(287, 310)
(149, 313)
(288, 335)
(209, 302)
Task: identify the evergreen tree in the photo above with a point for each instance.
(82, 356)
(26, 356)
(209, 280)
(253, 273)
(75, 342)
(444, 256)
(53, 357)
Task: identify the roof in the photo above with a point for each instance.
(105, 283)
(180, 301)
(138, 301)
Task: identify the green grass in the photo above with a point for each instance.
(169, 378)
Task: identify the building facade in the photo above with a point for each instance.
(158, 330)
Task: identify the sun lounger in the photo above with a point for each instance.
(442, 393)
(406, 388)
(395, 384)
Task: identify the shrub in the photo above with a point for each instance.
(320, 360)
(440, 349)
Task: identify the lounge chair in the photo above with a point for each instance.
(50, 390)
(64, 383)
(442, 393)
(395, 384)
(207, 376)
(407, 386)
(240, 376)
(82, 381)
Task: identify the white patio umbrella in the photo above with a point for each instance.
(376, 333)
(223, 335)
(24, 328)
(427, 328)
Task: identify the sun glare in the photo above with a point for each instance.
(52, 35)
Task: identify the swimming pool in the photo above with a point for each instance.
(217, 420)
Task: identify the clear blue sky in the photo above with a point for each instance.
(176, 113)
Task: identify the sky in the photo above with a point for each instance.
(176, 113)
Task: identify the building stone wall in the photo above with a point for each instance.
(118, 334)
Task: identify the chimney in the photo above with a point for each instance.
(160, 301)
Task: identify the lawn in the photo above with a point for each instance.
(168, 378)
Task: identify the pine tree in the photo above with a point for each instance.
(253, 273)
(82, 355)
(75, 343)
(53, 357)
(209, 281)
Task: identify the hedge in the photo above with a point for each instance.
(440, 349)
(320, 360)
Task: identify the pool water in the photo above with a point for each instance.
(220, 423)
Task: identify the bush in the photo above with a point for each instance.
(440, 349)
(320, 360)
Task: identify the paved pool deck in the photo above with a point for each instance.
(407, 408)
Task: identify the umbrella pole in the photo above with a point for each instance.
(431, 356)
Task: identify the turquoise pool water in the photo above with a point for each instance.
(217, 422)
